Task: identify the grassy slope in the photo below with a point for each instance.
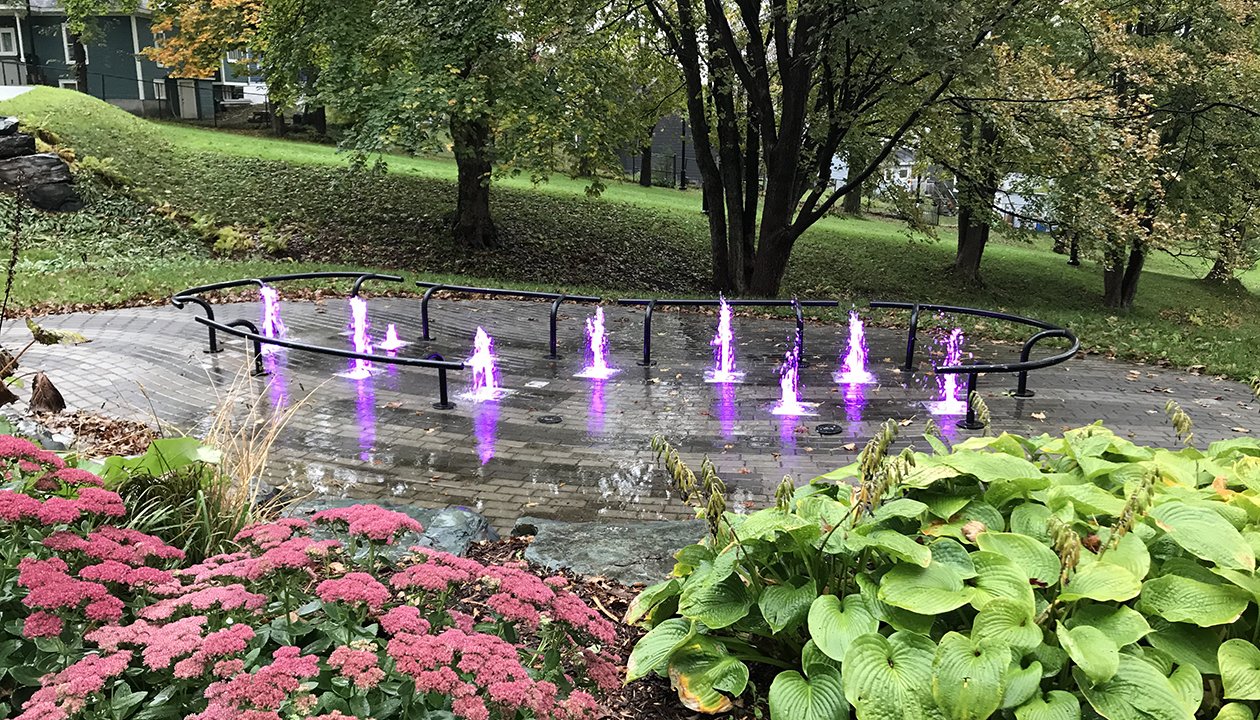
(631, 239)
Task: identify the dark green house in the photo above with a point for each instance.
(37, 49)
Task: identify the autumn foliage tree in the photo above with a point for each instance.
(195, 34)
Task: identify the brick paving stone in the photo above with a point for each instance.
(381, 438)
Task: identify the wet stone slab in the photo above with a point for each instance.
(381, 439)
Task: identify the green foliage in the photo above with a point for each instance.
(107, 169)
(1008, 577)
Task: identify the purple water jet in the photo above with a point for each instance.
(277, 386)
(272, 324)
(854, 402)
(723, 349)
(365, 415)
(853, 367)
(953, 395)
(595, 409)
(360, 369)
(726, 410)
(485, 371)
(789, 384)
(485, 429)
(597, 349)
(392, 342)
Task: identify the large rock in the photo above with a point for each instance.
(12, 146)
(8, 126)
(451, 530)
(639, 552)
(45, 179)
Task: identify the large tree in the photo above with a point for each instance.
(781, 88)
(522, 86)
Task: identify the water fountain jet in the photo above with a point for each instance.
(360, 369)
(485, 371)
(853, 367)
(789, 384)
(953, 395)
(597, 367)
(272, 325)
(392, 342)
(724, 349)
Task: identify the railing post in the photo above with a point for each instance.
(1021, 390)
(912, 338)
(971, 423)
(444, 401)
(259, 370)
(800, 334)
(647, 334)
(424, 312)
(555, 308)
(178, 302)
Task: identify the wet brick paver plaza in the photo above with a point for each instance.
(381, 438)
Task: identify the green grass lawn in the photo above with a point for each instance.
(629, 240)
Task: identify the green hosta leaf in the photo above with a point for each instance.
(821, 697)
(784, 606)
(1188, 643)
(1004, 491)
(717, 605)
(1235, 711)
(835, 624)
(701, 670)
(1202, 532)
(968, 676)
(977, 516)
(927, 472)
(1021, 684)
(692, 557)
(653, 650)
(1093, 652)
(765, 524)
(1138, 691)
(1054, 705)
(947, 551)
(1008, 621)
(1030, 519)
(1051, 657)
(888, 678)
(1122, 624)
(1188, 682)
(990, 467)
(1089, 500)
(896, 617)
(1036, 560)
(1102, 582)
(1130, 553)
(894, 544)
(811, 656)
(649, 598)
(1239, 661)
(945, 506)
(900, 508)
(932, 590)
(998, 576)
(1180, 599)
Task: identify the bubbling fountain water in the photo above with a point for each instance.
(485, 372)
(597, 353)
(789, 384)
(953, 399)
(272, 324)
(853, 367)
(360, 369)
(392, 342)
(724, 349)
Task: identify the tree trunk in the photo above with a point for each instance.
(277, 122)
(1120, 277)
(1227, 252)
(852, 203)
(772, 262)
(1074, 254)
(318, 119)
(752, 192)
(972, 239)
(80, 64)
(473, 226)
(977, 196)
(645, 162)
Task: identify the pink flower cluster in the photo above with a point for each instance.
(67, 692)
(265, 536)
(357, 666)
(300, 554)
(266, 689)
(123, 545)
(200, 599)
(369, 521)
(439, 572)
(15, 449)
(18, 508)
(356, 588)
(51, 588)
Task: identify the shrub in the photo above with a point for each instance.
(102, 621)
(1046, 577)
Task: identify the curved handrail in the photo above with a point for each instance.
(360, 278)
(556, 299)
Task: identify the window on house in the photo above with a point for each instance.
(68, 83)
(68, 41)
(8, 41)
(159, 89)
(904, 173)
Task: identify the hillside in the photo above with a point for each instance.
(630, 239)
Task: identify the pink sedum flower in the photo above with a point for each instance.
(369, 521)
(356, 588)
(41, 624)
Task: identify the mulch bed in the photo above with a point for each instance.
(648, 699)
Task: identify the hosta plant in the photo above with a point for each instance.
(1046, 578)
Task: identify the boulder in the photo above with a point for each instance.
(12, 146)
(628, 553)
(8, 126)
(46, 180)
(451, 530)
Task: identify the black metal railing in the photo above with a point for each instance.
(797, 305)
(1022, 368)
(555, 298)
(247, 330)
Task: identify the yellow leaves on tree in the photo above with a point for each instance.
(193, 35)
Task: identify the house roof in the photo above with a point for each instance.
(53, 7)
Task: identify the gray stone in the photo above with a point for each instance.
(30, 170)
(451, 530)
(8, 126)
(628, 553)
(55, 197)
(12, 146)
